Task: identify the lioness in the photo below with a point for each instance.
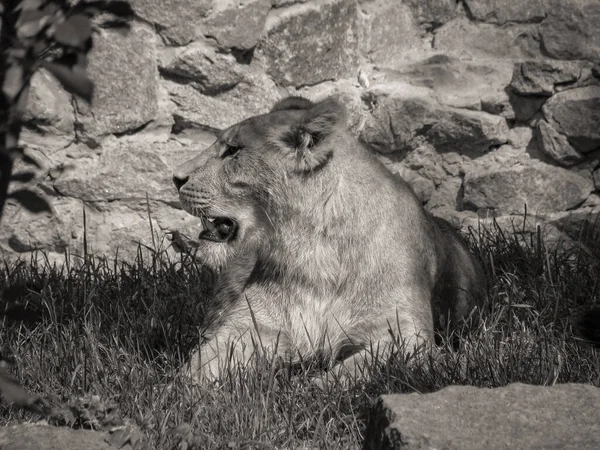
(321, 251)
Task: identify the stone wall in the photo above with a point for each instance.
(484, 106)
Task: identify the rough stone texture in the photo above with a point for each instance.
(44, 437)
(478, 104)
(125, 76)
(541, 77)
(503, 11)
(399, 119)
(543, 188)
(571, 29)
(255, 95)
(432, 13)
(581, 226)
(23, 231)
(556, 145)
(461, 84)
(576, 114)
(120, 172)
(177, 21)
(388, 31)
(465, 417)
(311, 42)
(239, 27)
(200, 65)
(116, 184)
(49, 107)
(465, 38)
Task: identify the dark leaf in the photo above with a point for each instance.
(18, 312)
(31, 22)
(31, 201)
(74, 32)
(22, 177)
(29, 4)
(15, 395)
(74, 79)
(64, 416)
(118, 8)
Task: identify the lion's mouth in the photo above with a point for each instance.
(218, 229)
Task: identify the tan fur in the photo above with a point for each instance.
(332, 251)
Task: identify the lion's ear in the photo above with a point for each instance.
(292, 103)
(308, 138)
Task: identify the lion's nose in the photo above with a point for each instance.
(179, 180)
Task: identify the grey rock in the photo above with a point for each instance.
(45, 437)
(398, 120)
(581, 226)
(387, 31)
(571, 29)
(503, 11)
(576, 114)
(312, 42)
(432, 13)
(49, 106)
(462, 84)
(177, 21)
(123, 69)
(24, 231)
(464, 417)
(541, 77)
(556, 145)
(122, 172)
(422, 187)
(255, 94)
(238, 27)
(543, 188)
(423, 161)
(200, 65)
(446, 196)
(465, 38)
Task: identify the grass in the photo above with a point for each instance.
(103, 341)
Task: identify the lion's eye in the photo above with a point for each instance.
(230, 150)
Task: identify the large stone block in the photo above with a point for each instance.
(49, 106)
(575, 113)
(541, 77)
(388, 31)
(432, 13)
(483, 40)
(572, 29)
(24, 231)
(45, 437)
(556, 145)
(503, 11)
(177, 21)
(454, 82)
(399, 120)
(312, 42)
(123, 69)
(470, 418)
(121, 171)
(255, 94)
(543, 188)
(202, 66)
(238, 27)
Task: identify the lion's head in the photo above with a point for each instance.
(238, 184)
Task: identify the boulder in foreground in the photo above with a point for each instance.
(517, 416)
